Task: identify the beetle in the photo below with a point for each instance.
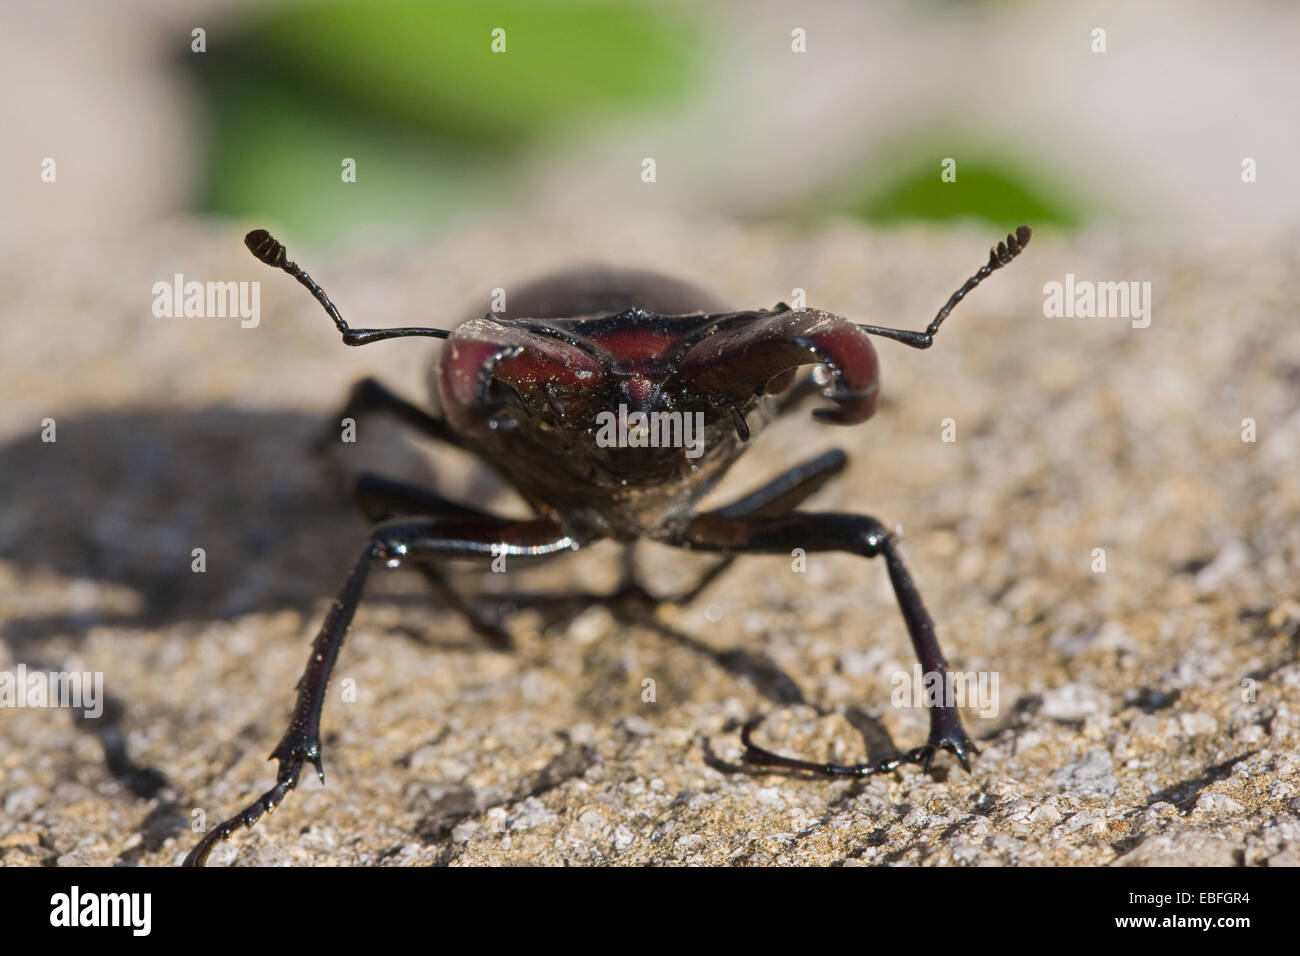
(525, 390)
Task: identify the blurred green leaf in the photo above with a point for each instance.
(431, 64)
(275, 156)
(413, 91)
(983, 189)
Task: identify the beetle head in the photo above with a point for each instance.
(561, 374)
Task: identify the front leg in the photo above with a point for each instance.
(865, 536)
(382, 499)
(369, 396)
(392, 543)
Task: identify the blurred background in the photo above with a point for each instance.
(1044, 127)
(412, 159)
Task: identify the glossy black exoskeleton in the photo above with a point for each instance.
(532, 392)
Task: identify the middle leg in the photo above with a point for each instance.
(381, 499)
(633, 602)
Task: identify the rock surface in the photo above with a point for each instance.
(1147, 714)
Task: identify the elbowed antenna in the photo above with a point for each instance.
(270, 250)
(999, 256)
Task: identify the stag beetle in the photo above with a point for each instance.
(530, 391)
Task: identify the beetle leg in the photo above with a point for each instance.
(857, 534)
(301, 741)
(779, 496)
(782, 494)
(788, 490)
(370, 395)
(392, 543)
(708, 577)
(382, 498)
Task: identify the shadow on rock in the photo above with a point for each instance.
(126, 498)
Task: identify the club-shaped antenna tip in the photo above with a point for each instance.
(265, 247)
